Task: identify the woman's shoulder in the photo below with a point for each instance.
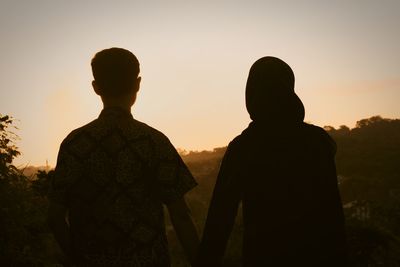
(318, 133)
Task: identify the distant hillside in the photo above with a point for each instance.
(30, 171)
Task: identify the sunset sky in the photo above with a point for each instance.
(195, 57)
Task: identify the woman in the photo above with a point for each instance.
(283, 171)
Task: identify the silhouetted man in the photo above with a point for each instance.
(283, 171)
(112, 177)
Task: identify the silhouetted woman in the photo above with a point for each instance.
(283, 171)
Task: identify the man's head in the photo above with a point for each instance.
(115, 72)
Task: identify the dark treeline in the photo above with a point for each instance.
(368, 165)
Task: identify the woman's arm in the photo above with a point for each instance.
(221, 214)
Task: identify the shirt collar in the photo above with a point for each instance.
(115, 112)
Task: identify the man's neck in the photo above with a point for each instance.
(116, 105)
(122, 103)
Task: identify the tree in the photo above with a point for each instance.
(368, 163)
(23, 230)
(8, 150)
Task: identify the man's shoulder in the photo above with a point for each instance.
(135, 128)
(146, 130)
(160, 143)
(76, 133)
(132, 132)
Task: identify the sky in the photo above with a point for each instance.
(195, 57)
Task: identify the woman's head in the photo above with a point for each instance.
(270, 92)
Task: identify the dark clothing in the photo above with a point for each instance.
(113, 175)
(285, 177)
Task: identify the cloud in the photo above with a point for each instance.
(364, 86)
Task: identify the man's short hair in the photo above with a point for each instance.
(115, 71)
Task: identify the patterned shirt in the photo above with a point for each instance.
(113, 175)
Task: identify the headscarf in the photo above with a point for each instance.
(270, 95)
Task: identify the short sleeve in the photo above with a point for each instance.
(67, 171)
(174, 179)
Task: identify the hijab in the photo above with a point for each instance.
(270, 96)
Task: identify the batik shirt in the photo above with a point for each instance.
(113, 175)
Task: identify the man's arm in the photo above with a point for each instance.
(184, 227)
(58, 225)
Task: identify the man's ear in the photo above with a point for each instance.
(95, 87)
(137, 85)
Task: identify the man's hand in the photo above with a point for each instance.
(184, 228)
(58, 224)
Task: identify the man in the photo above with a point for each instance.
(112, 177)
(283, 172)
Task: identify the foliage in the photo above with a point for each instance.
(368, 162)
(8, 151)
(23, 230)
(371, 245)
